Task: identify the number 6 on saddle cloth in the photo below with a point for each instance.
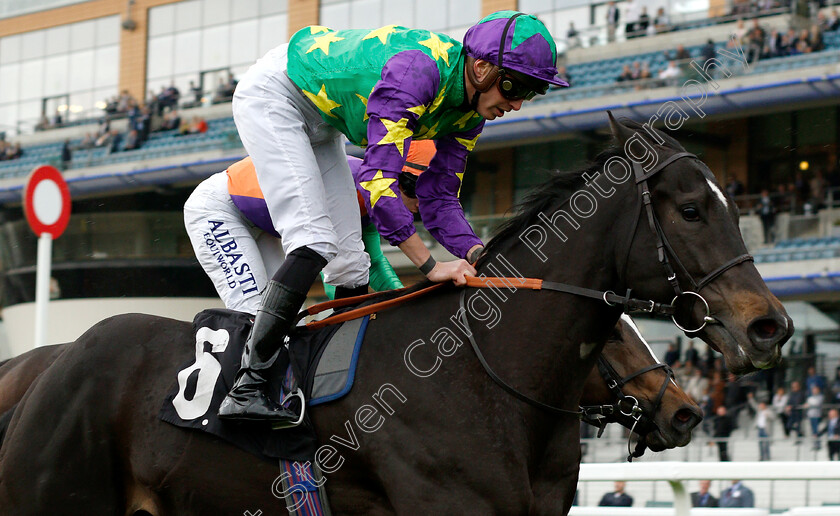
(324, 361)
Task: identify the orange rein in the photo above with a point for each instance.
(472, 281)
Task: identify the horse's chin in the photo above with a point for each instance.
(740, 354)
(657, 440)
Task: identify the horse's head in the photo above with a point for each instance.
(629, 375)
(695, 226)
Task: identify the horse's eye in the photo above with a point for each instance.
(690, 213)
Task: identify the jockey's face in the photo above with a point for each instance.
(491, 103)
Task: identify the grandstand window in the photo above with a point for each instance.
(245, 33)
(187, 15)
(433, 15)
(246, 9)
(399, 12)
(215, 12)
(221, 35)
(272, 6)
(366, 13)
(68, 61)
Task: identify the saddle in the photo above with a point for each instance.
(322, 364)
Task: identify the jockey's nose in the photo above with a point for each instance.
(516, 105)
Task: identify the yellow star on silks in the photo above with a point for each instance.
(417, 110)
(469, 144)
(378, 187)
(461, 179)
(365, 101)
(323, 42)
(438, 100)
(397, 133)
(381, 33)
(462, 122)
(429, 133)
(438, 47)
(323, 102)
(315, 29)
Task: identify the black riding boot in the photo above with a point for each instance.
(281, 302)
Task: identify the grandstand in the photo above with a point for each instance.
(767, 123)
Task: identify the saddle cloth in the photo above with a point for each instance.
(322, 363)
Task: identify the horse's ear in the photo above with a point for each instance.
(621, 132)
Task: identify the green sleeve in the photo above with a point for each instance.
(382, 275)
(329, 290)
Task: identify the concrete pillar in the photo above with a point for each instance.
(303, 13)
(491, 6)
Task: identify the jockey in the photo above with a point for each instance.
(228, 224)
(380, 88)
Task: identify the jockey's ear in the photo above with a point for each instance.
(621, 132)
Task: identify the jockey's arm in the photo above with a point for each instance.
(393, 113)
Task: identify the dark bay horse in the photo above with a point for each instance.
(669, 412)
(425, 428)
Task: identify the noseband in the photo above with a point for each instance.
(626, 409)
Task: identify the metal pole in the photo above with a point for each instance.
(42, 288)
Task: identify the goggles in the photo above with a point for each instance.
(513, 88)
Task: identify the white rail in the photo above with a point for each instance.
(676, 473)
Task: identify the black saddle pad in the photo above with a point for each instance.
(202, 384)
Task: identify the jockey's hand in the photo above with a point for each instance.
(455, 270)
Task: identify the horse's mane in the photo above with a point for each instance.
(561, 185)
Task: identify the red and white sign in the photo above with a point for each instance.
(46, 201)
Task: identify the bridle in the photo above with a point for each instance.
(663, 249)
(626, 409)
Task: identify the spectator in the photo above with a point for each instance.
(617, 498)
(773, 45)
(66, 155)
(708, 53)
(631, 17)
(723, 426)
(707, 406)
(224, 90)
(171, 120)
(793, 409)
(833, 20)
(563, 74)
(735, 187)
(644, 77)
(696, 385)
(738, 495)
(661, 22)
(671, 73)
(835, 387)
(643, 23)
(197, 94)
(740, 31)
(767, 213)
(816, 39)
(626, 74)
(702, 497)
(755, 45)
(814, 379)
(613, 16)
(572, 36)
(87, 142)
(132, 141)
(681, 53)
(832, 432)
(14, 151)
(672, 355)
(817, 186)
(814, 404)
(779, 403)
(764, 419)
(115, 139)
(104, 139)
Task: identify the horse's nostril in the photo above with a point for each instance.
(765, 329)
(686, 417)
